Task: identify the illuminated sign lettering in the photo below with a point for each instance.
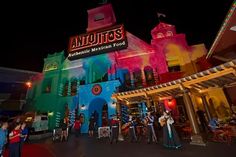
(98, 42)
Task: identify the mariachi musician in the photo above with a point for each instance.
(114, 129)
(150, 129)
(170, 136)
(132, 128)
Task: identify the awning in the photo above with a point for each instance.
(219, 76)
(225, 40)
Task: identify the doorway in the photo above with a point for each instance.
(96, 106)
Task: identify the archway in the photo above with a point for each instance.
(97, 105)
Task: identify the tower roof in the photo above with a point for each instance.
(101, 17)
(163, 30)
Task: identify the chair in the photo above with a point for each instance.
(187, 132)
(220, 135)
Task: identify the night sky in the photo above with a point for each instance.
(31, 31)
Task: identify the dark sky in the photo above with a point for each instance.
(30, 31)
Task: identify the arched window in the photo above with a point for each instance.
(65, 88)
(150, 80)
(169, 34)
(160, 35)
(82, 82)
(47, 83)
(137, 78)
(73, 87)
(105, 77)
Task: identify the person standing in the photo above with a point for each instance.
(91, 126)
(14, 140)
(77, 126)
(202, 119)
(170, 136)
(114, 129)
(23, 136)
(95, 114)
(150, 129)
(3, 136)
(132, 128)
(64, 133)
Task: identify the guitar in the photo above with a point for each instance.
(163, 122)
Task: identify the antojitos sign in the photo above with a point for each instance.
(98, 42)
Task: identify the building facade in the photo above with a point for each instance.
(87, 84)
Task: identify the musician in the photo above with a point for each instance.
(114, 129)
(170, 136)
(132, 128)
(150, 129)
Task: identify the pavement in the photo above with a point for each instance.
(85, 146)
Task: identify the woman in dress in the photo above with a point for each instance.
(170, 136)
(91, 126)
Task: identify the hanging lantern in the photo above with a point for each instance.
(170, 104)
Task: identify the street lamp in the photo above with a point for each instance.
(28, 84)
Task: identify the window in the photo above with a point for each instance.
(82, 82)
(65, 88)
(137, 78)
(99, 16)
(169, 33)
(160, 35)
(127, 79)
(174, 68)
(149, 76)
(105, 77)
(47, 85)
(74, 87)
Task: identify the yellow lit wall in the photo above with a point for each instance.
(219, 106)
(197, 102)
(185, 57)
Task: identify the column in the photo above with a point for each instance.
(143, 78)
(205, 104)
(196, 138)
(118, 109)
(77, 88)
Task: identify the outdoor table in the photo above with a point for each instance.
(231, 129)
(104, 131)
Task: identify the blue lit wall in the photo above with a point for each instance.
(95, 102)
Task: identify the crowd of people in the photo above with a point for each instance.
(13, 136)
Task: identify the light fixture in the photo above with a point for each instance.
(83, 107)
(28, 84)
(113, 104)
(50, 113)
